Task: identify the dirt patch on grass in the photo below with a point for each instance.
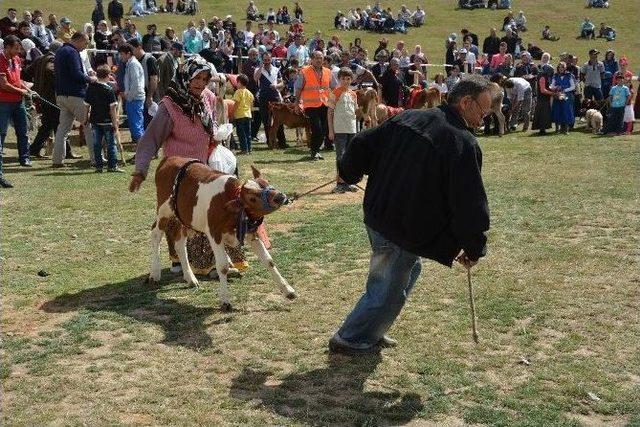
(595, 420)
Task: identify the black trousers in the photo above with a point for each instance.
(257, 119)
(319, 126)
(266, 121)
(49, 123)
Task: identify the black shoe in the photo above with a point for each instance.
(316, 156)
(4, 183)
(99, 170)
(387, 341)
(338, 345)
(58, 166)
(328, 147)
(26, 163)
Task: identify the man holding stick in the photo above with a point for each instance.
(424, 198)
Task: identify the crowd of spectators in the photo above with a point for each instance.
(143, 65)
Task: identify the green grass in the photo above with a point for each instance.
(91, 344)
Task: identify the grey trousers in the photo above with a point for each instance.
(71, 107)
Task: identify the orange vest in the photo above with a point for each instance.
(315, 93)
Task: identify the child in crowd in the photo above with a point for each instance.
(453, 78)
(242, 113)
(103, 116)
(619, 97)
(438, 83)
(629, 113)
(341, 117)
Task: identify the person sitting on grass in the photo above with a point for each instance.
(521, 22)
(103, 116)
(619, 96)
(341, 118)
(546, 34)
(587, 29)
(606, 32)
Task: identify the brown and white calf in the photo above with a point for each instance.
(211, 202)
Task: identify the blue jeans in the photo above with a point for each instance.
(595, 92)
(615, 120)
(135, 116)
(16, 112)
(392, 273)
(106, 132)
(243, 129)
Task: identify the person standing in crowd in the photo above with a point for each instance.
(592, 72)
(167, 66)
(9, 24)
(619, 96)
(526, 69)
(312, 89)
(498, 58)
(343, 103)
(611, 67)
(42, 33)
(66, 31)
(242, 113)
(152, 42)
(392, 84)
(115, 11)
(98, 14)
(298, 50)
(564, 85)
(42, 73)
(134, 94)
(53, 25)
(542, 116)
(414, 162)
(103, 116)
(269, 81)
(12, 109)
(520, 94)
(491, 44)
(249, 67)
(150, 69)
(71, 86)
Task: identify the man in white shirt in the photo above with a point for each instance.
(519, 93)
(272, 30)
(248, 35)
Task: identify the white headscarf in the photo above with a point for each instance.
(27, 45)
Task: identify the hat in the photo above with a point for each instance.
(177, 45)
(594, 52)
(65, 20)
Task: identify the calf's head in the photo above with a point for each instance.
(257, 197)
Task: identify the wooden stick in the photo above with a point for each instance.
(474, 325)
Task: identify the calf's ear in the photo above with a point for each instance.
(255, 171)
(234, 206)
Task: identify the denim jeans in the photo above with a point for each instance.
(135, 116)
(243, 129)
(615, 120)
(392, 273)
(106, 132)
(15, 112)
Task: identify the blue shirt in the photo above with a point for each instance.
(70, 77)
(619, 95)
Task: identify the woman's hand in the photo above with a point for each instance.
(136, 181)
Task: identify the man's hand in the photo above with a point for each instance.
(136, 181)
(93, 79)
(332, 136)
(464, 259)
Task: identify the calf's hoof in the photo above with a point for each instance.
(291, 295)
(152, 282)
(226, 307)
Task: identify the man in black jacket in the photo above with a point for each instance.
(115, 10)
(424, 198)
(491, 44)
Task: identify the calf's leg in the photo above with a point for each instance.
(222, 266)
(258, 248)
(181, 250)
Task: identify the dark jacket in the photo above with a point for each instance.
(491, 46)
(70, 77)
(425, 191)
(115, 10)
(42, 76)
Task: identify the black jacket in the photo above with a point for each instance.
(491, 46)
(425, 191)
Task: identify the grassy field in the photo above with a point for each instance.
(91, 344)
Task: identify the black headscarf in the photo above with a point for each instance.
(178, 91)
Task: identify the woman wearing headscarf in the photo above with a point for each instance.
(542, 116)
(183, 126)
(564, 85)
